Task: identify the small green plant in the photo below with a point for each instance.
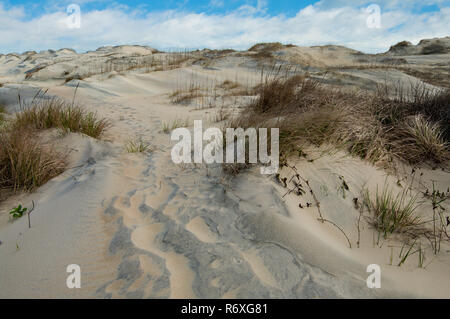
(137, 146)
(407, 253)
(18, 211)
(390, 213)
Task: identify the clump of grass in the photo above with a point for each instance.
(303, 110)
(57, 113)
(185, 97)
(232, 88)
(270, 46)
(25, 163)
(391, 213)
(375, 127)
(169, 126)
(229, 85)
(423, 139)
(395, 103)
(285, 94)
(137, 146)
(435, 48)
(411, 124)
(265, 50)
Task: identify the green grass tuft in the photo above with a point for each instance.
(391, 213)
(57, 113)
(137, 146)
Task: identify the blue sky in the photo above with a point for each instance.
(191, 24)
(286, 7)
(274, 7)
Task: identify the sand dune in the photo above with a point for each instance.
(140, 226)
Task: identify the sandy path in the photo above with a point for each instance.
(181, 233)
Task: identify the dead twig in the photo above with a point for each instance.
(29, 222)
(310, 191)
(332, 223)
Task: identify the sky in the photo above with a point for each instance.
(368, 26)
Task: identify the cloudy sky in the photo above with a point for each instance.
(369, 26)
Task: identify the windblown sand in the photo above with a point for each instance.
(140, 226)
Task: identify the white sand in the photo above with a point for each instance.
(140, 226)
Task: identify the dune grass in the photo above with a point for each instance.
(229, 85)
(169, 126)
(391, 213)
(137, 146)
(394, 124)
(411, 125)
(265, 50)
(422, 139)
(26, 162)
(57, 113)
(185, 97)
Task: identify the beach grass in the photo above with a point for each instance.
(57, 113)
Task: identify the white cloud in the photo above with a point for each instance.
(344, 25)
(261, 7)
(386, 4)
(216, 3)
